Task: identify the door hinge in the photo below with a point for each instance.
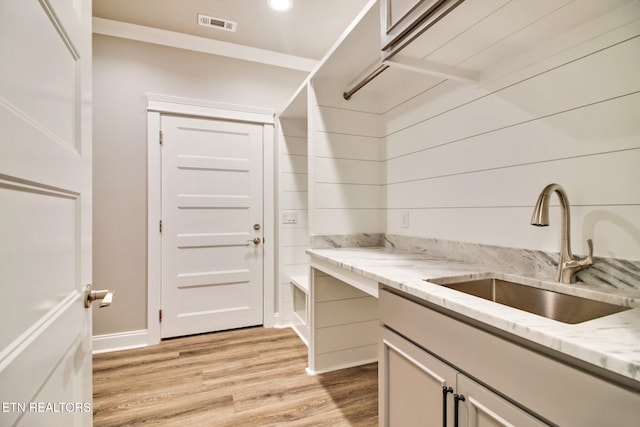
(160, 316)
(161, 137)
(160, 226)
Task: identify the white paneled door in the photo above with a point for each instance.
(212, 225)
(45, 212)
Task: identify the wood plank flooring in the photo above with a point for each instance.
(246, 377)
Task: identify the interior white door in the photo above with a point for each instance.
(45, 212)
(212, 210)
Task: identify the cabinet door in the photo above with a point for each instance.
(411, 385)
(396, 9)
(483, 408)
(403, 20)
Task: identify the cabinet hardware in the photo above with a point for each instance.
(445, 390)
(457, 398)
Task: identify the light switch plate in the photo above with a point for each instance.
(289, 217)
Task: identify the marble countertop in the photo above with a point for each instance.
(611, 342)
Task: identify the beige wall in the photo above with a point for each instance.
(124, 71)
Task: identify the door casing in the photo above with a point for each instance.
(165, 104)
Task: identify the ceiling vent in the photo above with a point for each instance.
(222, 24)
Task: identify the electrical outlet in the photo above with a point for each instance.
(405, 219)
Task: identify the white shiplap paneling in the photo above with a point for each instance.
(347, 177)
(467, 163)
(567, 134)
(345, 324)
(293, 200)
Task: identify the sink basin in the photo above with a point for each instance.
(550, 304)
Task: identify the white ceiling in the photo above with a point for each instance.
(307, 30)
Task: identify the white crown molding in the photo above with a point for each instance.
(205, 108)
(141, 33)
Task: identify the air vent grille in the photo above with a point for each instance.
(222, 24)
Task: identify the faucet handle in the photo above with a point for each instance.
(588, 260)
(569, 268)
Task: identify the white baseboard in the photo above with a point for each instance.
(341, 366)
(301, 334)
(135, 339)
(119, 341)
(295, 329)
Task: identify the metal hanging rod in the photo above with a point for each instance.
(348, 94)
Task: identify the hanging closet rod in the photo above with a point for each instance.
(348, 94)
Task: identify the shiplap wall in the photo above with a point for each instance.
(344, 325)
(467, 162)
(293, 199)
(347, 175)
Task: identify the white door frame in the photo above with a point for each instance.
(159, 104)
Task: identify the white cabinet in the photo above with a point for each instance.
(485, 41)
(483, 408)
(395, 10)
(404, 20)
(411, 384)
(503, 382)
(418, 389)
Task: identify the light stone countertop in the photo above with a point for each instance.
(611, 342)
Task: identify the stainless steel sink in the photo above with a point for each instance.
(553, 305)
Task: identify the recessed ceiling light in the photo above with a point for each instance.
(280, 5)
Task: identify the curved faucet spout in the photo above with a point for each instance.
(540, 217)
(568, 265)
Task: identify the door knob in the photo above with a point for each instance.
(105, 295)
(256, 240)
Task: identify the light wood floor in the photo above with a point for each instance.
(246, 377)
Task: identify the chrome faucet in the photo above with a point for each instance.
(568, 265)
